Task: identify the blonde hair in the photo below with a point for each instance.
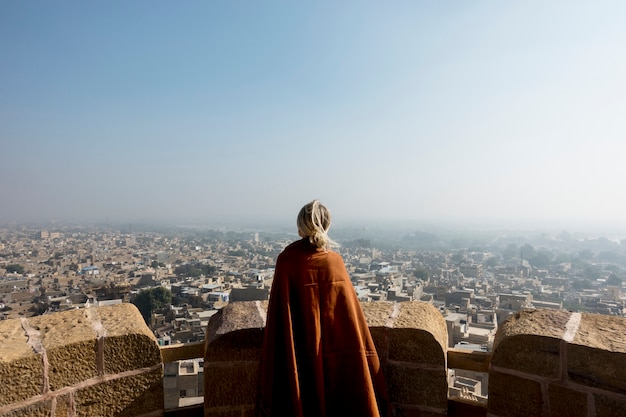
(313, 223)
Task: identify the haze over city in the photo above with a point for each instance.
(495, 113)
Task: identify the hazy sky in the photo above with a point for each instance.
(190, 112)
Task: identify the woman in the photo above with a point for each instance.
(318, 357)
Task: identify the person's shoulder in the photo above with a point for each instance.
(294, 247)
(332, 255)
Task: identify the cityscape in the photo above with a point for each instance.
(179, 277)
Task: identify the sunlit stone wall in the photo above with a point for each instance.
(100, 361)
(554, 363)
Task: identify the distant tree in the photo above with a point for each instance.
(152, 299)
(582, 284)
(541, 260)
(511, 251)
(491, 261)
(194, 270)
(421, 273)
(592, 272)
(15, 269)
(585, 255)
(457, 257)
(614, 280)
(157, 264)
(609, 256)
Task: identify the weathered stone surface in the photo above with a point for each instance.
(13, 341)
(62, 406)
(236, 316)
(567, 402)
(530, 342)
(614, 406)
(123, 397)
(597, 355)
(423, 316)
(378, 314)
(418, 334)
(230, 384)
(414, 386)
(128, 342)
(381, 341)
(511, 396)
(239, 345)
(537, 355)
(415, 346)
(602, 332)
(40, 409)
(69, 341)
(539, 322)
(596, 368)
(19, 364)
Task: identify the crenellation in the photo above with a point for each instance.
(51, 361)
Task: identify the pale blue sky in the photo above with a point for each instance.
(482, 111)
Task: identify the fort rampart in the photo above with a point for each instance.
(105, 362)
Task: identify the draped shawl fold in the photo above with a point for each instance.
(318, 357)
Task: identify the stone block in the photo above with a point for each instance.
(415, 386)
(236, 316)
(596, 368)
(602, 332)
(381, 341)
(69, 340)
(610, 406)
(540, 322)
(378, 314)
(566, 402)
(129, 396)
(230, 384)
(422, 316)
(538, 355)
(416, 333)
(531, 341)
(239, 345)
(19, 364)
(62, 408)
(512, 396)
(39, 409)
(415, 346)
(128, 343)
(597, 355)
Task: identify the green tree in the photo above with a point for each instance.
(152, 299)
(511, 251)
(614, 280)
(541, 260)
(491, 261)
(157, 264)
(582, 284)
(15, 269)
(421, 273)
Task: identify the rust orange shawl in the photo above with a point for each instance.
(318, 357)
